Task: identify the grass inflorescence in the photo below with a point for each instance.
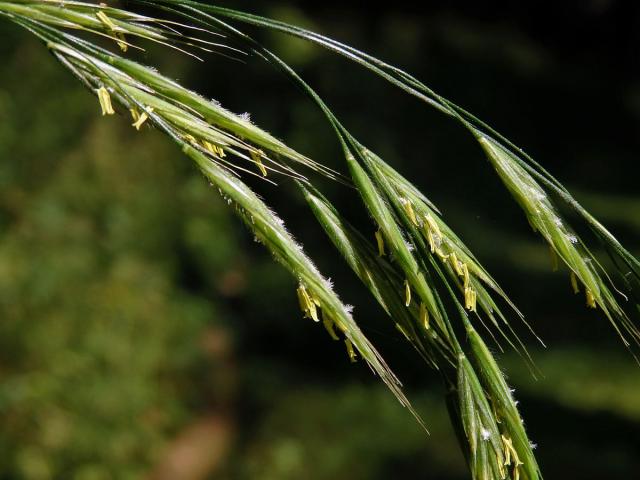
(434, 290)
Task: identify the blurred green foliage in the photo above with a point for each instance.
(334, 432)
(133, 304)
(101, 356)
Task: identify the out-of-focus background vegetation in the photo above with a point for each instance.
(144, 335)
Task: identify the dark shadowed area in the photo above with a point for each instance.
(145, 335)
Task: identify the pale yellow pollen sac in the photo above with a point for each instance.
(503, 471)
(122, 42)
(312, 310)
(457, 265)
(214, 149)
(591, 300)
(574, 283)
(380, 241)
(106, 21)
(301, 292)
(190, 138)
(433, 225)
(434, 236)
(424, 316)
(140, 118)
(461, 269)
(470, 299)
(307, 305)
(105, 101)
(465, 274)
(429, 234)
(210, 147)
(407, 293)
(328, 325)
(554, 259)
(256, 156)
(444, 257)
(506, 442)
(119, 36)
(351, 351)
(408, 207)
(511, 453)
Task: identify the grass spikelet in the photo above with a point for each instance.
(270, 230)
(442, 249)
(511, 423)
(385, 281)
(397, 244)
(544, 216)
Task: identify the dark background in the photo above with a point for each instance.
(143, 333)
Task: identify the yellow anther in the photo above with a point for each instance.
(465, 274)
(328, 325)
(312, 312)
(134, 114)
(433, 234)
(433, 225)
(407, 293)
(141, 118)
(554, 259)
(105, 101)
(429, 234)
(350, 350)
(470, 299)
(424, 316)
(409, 209)
(457, 266)
(307, 305)
(302, 298)
(190, 138)
(574, 283)
(506, 442)
(442, 255)
(256, 156)
(210, 147)
(119, 36)
(511, 453)
(591, 300)
(380, 241)
(503, 471)
(121, 41)
(214, 149)
(106, 21)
